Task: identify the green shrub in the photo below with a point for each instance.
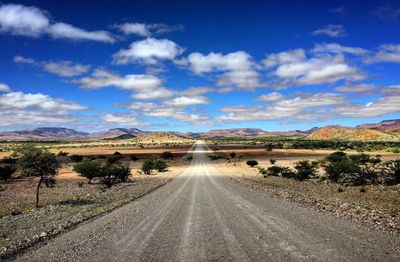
(76, 158)
(232, 154)
(6, 171)
(158, 163)
(272, 161)
(252, 163)
(147, 167)
(391, 172)
(134, 158)
(167, 155)
(305, 170)
(89, 169)
(278, 171)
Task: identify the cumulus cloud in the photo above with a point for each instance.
(361, 88)
(101, 78)
(61, 68)
(17, 108)
(165, 111)
(295, 68)
(67, 31)
(149, 51)
(146, 30)
(237, 68)
(335, 48)
(272, 97)
(124, 118)
(382, 106)
(188, 101)
(299, 107)
(386, 53)
(4, 88)
(331, 30)
(23, 60)
(31, 21)
(145, 87)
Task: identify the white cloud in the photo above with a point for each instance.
(101, 78)
(63, 30)
(331, 30)
(183, 101)
(382, 106)
(272, 97)
(23, 60)
(159, 93)
(196, 91)
(361, 88)
(386, 53)
(148, 51)
(65, 68)
(335, 48)
(145, 87)
(294, 68)
(124, 118)
(61, 68)
(4, 88)
(165, 111)
(305, 107)
(23, 20)
(291, 56)
(135, 29)
(237, 68)
(17, 109)
(30, 21)
(146, 30)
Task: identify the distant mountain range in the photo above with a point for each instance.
(385, 130)
(386, 126)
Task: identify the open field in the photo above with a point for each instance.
(95, 150)
(72, 200)
(375, 204)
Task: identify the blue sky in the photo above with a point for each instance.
(198, 65)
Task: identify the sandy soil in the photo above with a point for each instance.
(379, 205)
(70, 202)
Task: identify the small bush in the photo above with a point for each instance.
(391, 172)
(114, 159)
(147, 167)
(252, 163)
(134, 158)
(272, 161)
(116, 153)
(232, 154)
(278, 171)
(61, 153)
(363, 190)
(6, 171)
(305, 170)
(158, 163)
(89, 169)
(76, 158)
(340, 189)
(167, 155)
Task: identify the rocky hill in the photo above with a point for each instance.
(386, 125)
(249, 132)
(43, 133)
(117, 132)
(162, 138)
(353, 134)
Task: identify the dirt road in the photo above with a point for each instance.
(203, 215)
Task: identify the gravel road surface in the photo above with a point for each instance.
(203, 215)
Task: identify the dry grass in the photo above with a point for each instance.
(18, 194)
(378, 204)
